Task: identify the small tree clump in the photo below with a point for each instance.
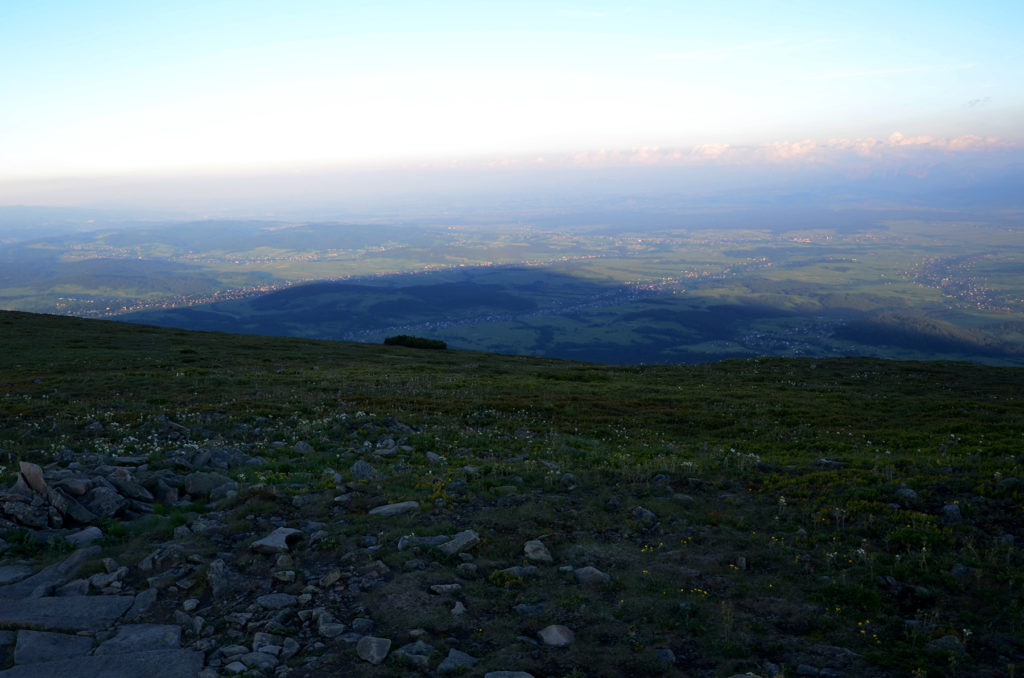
(415, 342)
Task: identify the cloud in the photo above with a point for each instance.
(803, 151)
(974, 103)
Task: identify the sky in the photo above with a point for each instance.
(98, 90)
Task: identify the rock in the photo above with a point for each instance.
(131, 489)
(277, 601)
(141, 638)
(529, 609)
(411, 540)
(508, 674)
(415, 654)
(13, 573)
(395, 509)
(951, 514)
(219, 577)
(36, 517)
(373, 650)
(154, 664)
(536, 552)
(830, 464)
(277, 541)
(75, 587)
(645, 516)
(807, 670)
(302, 447)
(83, 537)
(459, 608)
(105, 502)
(261, 661)
(590, 576)
(556, 635)
(362, 470)
(203, 484)
(51, 577)
(456, 661)
(75, 613)
(32, 476)
(906, 494)
(43, 646)
(946, 644)
(460, 542)
(140, 606)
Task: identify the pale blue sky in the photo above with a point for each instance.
(101, 87)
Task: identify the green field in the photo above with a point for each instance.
(899, 289)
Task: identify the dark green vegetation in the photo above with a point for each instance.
(415, 342)
(781, 510)
(886, 286)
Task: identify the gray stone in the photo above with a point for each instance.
(536, 552)
(556, 635)
(373, 650)
(142, 638)
(906, 494)
(77, 613)
(12, 573)
(157, 664)
(362, 470)
(302, 447)
(140, 606)
(70, 508)
(259, 660)
(32, 475)
(202, 483)
(460, 542)
(946, 644)
(277, 601)
(590, 576)
(395, 509)
(86, 536)
(456, 661)
(105, 502)
(411, 540)
(277, 541)
(951, 513)
(644, 515)
(75, 587)
(131, 489)
(508, 674)
(25, 513)
(415, 654)
(43, 646)
(51, 577)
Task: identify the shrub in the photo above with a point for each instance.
(415, 342)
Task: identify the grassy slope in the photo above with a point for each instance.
(758, 552)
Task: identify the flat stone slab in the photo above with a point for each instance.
(51, 577)
(77, 613)
(43, 646)
(157, 664)
(12, 573)
(132, 638)
(395, 509)
(277, 541)
(460, 542)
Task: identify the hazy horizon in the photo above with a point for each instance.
(222, 105)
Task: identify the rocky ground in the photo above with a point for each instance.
(277, 592)
(180, 505)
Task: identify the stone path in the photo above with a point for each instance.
(82, 636)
